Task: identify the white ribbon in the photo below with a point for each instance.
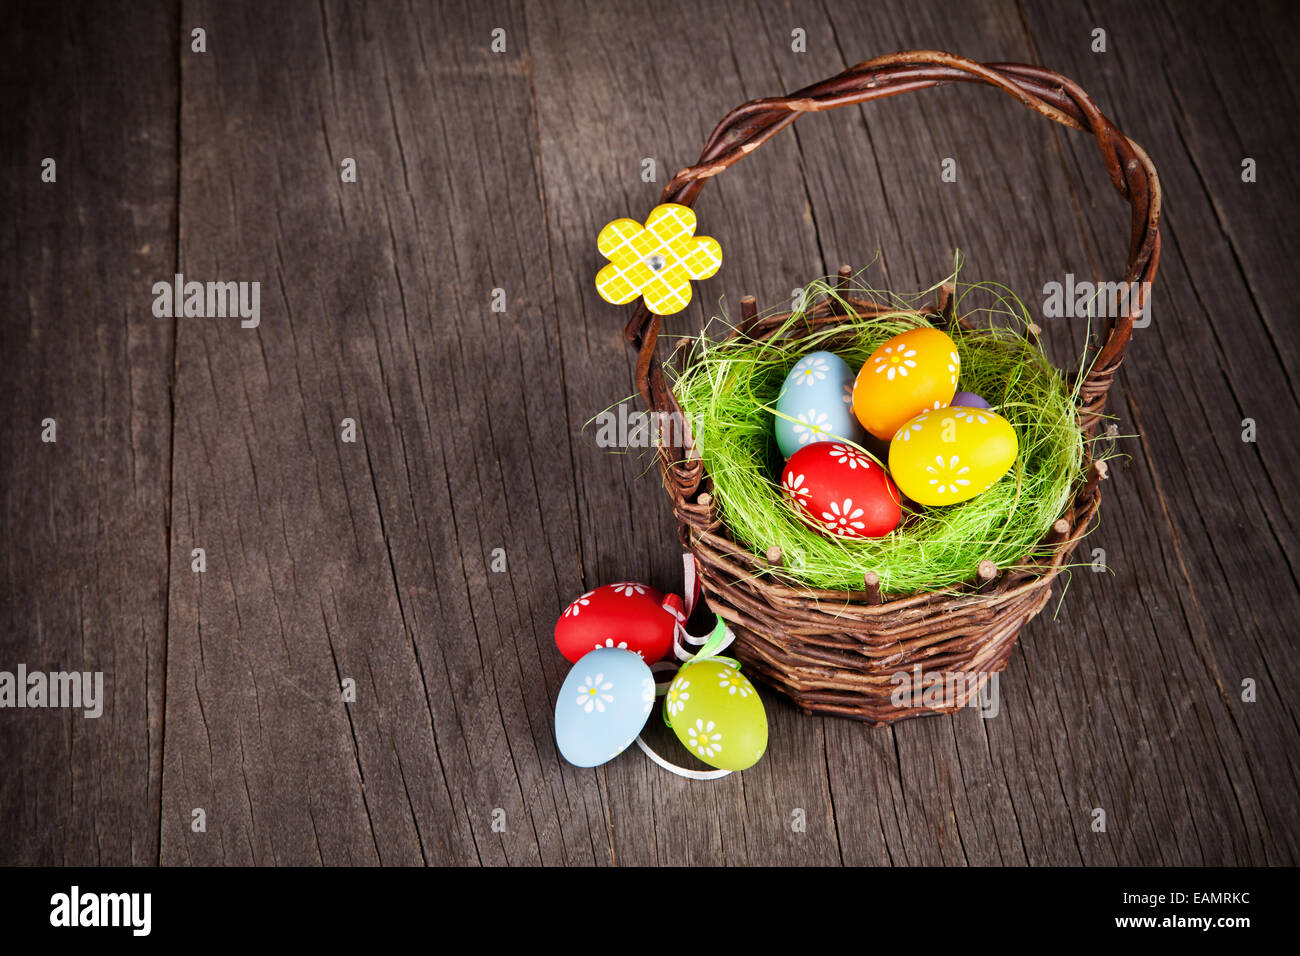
(681, 638)
(691, 583)
(691, 597)
(663, 667)
(680, 771)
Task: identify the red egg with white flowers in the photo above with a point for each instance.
(840, 492)
(628, 616)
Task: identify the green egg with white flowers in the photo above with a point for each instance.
(717, 714)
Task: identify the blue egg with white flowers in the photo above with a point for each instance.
(817, 397)
(603, 704)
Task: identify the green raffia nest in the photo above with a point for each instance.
(728, 394)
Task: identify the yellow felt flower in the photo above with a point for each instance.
(658, 260)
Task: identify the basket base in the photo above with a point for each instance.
(886, 691)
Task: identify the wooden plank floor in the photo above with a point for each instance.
(372, 560)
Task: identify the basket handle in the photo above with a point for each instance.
(747, 127)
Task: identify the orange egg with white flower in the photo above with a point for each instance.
(913, 372)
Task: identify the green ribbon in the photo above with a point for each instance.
(708, 652)
(712, 645)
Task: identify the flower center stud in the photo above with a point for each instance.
(656, 262)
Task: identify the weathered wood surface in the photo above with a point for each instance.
(372, 560)
(85, 520)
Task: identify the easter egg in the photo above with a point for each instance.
(626, 616)
(968, 400)
(818, 395)
(914, 371)
(716, 713)
(950, 455)
(603, 704)
(840, 492)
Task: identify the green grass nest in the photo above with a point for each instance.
(728, 393)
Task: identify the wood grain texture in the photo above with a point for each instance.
(372, 560)
(84, 525)
(1224, 515)
(367, 560)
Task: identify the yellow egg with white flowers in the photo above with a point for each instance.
(948, 455)
(914, 371)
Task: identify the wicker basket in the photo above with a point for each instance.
(841, 653)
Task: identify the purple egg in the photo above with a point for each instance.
(968, 400)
